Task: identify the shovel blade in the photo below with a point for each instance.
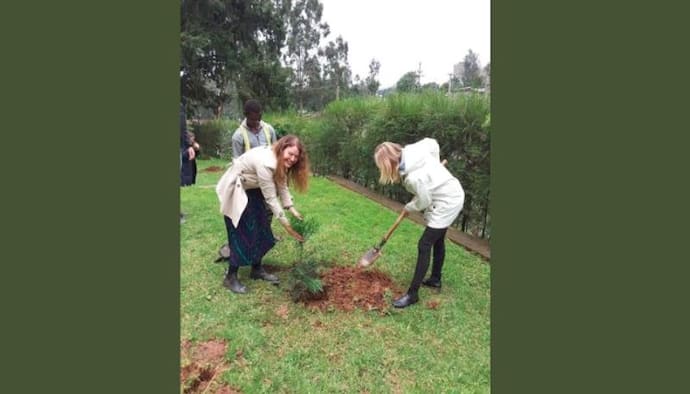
(369, 257)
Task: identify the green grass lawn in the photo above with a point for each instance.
(414, 350)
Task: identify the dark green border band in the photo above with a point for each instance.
(587, 109)
(91, 126)
(588, 193)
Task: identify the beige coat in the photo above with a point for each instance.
(253, 169)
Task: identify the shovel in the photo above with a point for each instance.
(374, 253)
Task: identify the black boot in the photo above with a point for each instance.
(434, 279)
(231, 282)
(407, 299)
(258, 272)
(432, 282)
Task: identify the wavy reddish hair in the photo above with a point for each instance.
(298, 174)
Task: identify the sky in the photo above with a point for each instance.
(402, 33)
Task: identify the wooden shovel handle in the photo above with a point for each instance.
(395, 225)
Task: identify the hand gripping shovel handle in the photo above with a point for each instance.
(402, 215)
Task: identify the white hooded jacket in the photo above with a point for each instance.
(436, 191)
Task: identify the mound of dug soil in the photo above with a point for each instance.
(347, 288)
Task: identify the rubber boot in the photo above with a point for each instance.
(258, 272)
(432, 282)
(407, 299)
(231, 282)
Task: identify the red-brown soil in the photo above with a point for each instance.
(201, 364)
(213, 169)
(348, 288)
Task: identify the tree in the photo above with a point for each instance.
(304, 32)
(487, 76)
(266, 81)
(431, 86)
(221, 40)
(336, 70)
(408, 82)
(371, 83)
(314, 95)
(304, 280)
(471, 77)
(358, 88)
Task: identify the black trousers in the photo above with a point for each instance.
(432, 239)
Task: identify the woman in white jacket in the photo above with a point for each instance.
(256, 180)
(436, 192)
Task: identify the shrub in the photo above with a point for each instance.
(214, 137)
(304, 281)
(350, 130)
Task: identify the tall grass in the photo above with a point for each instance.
(352, 128)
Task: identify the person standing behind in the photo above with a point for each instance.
(436, 192)
(253, 131)
(256, 182)
(189, 169)
(186, 149)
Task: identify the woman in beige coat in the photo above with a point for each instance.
(256, 180)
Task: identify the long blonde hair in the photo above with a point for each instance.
(298, 174)
(387, 158)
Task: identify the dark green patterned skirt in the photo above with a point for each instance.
(253, 237)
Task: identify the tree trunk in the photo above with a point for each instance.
(465, 217)
(301, 100)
